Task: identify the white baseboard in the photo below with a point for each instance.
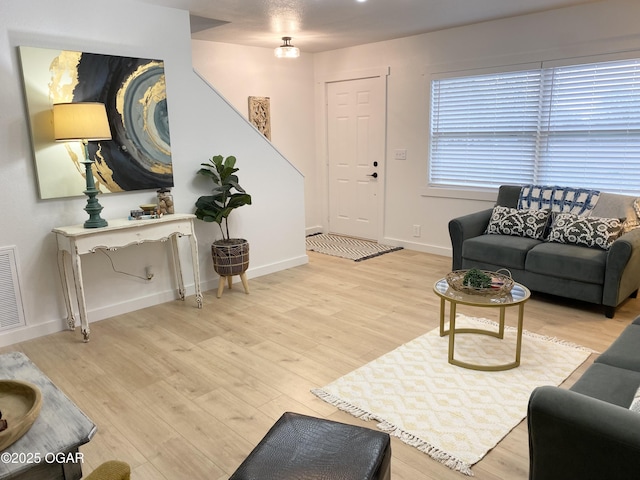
(313, 230)
(257, 272)
(276, 267)
(134, 304)
(30, 332)
(420, 247)
(170, 295)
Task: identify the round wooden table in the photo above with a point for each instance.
(516, 298)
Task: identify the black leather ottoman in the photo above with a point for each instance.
(299, 447)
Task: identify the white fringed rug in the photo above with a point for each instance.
(347, 247)
(453, 414)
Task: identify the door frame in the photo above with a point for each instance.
(381, 74)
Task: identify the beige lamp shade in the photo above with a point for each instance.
(80, 121)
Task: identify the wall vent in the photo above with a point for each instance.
(11, 308)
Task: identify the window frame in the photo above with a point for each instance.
(489, 193)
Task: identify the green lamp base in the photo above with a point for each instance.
(93, 207)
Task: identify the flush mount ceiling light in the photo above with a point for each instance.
(286, 50)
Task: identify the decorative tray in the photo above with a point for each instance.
(501, 284)
(20, 404)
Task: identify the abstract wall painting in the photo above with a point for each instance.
(260, 114)
(134, 92)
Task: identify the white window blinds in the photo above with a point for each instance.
(574, 125)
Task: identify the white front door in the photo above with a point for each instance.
(356, 140)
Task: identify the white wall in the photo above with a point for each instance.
(238, 72)
(202, 124)
(601, 27)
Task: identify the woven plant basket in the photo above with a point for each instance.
(230, 257)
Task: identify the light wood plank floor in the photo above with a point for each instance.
(182, 393)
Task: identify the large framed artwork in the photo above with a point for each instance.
(133, 90)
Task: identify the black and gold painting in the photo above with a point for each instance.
(134, 92)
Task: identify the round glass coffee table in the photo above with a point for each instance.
(516, 298)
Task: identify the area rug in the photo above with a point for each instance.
(453, 414)
(347, 247)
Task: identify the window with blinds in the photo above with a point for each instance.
(576, 125)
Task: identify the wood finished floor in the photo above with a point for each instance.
(182, 393)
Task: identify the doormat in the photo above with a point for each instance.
(347, 247)
(453, 414)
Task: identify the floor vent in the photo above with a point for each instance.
(11, 309)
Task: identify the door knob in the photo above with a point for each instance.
(374, 175)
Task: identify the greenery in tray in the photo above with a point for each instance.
(477, 279)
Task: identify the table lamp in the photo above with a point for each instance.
(84, 122)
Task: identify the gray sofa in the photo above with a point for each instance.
(602, 276)
(589, 431)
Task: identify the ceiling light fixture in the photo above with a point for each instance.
(286, 50)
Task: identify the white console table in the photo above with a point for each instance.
(75, 241)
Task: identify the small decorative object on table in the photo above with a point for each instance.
(136, 214)
(21, 402)
(165, 201)
(149, 208)
(142, 215)
(147, 211)
(480, 282)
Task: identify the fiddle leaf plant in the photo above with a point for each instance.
(226, 195)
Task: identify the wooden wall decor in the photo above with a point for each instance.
(260, 114)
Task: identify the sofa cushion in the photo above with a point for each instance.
(521, 223)
(571, 262)
(505, 250)
(613, 205)
(508, 195)
(586, 231)
(623, 352)
(608, 383)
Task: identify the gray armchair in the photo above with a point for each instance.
(572, 435)
(592, 430)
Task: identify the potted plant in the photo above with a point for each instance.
(230, 255)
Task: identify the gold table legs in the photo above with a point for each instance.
(453, 331)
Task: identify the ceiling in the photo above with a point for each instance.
(321, 25)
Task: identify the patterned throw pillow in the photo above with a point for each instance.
(585, 231)
(521, 223)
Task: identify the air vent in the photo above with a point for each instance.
(11, 310)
